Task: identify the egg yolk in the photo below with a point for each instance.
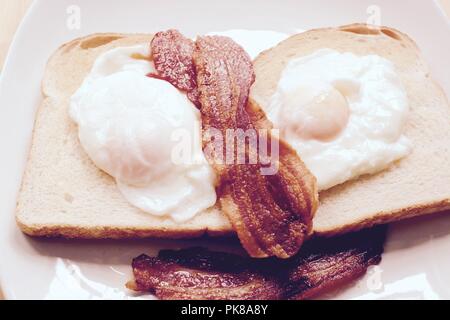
(318, 112)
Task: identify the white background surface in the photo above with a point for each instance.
(416, 262)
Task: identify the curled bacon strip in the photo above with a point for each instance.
(172, 56)
(272, 214)
(197, 273)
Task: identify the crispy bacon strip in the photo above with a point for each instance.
(197, 274)
(272, 214)
(172, 56)
(201, 274)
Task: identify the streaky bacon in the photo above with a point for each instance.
(321, 266)
(272, 214)
(198, 274)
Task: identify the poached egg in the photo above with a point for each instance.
(344, 114)
(130, 126)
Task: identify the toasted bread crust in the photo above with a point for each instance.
(111, 232)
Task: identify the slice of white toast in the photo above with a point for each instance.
(64, 194)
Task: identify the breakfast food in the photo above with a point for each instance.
(271, 213)
(165, 136)
(67, 192)
(196, 273)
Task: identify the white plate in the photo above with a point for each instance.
(416, 261)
